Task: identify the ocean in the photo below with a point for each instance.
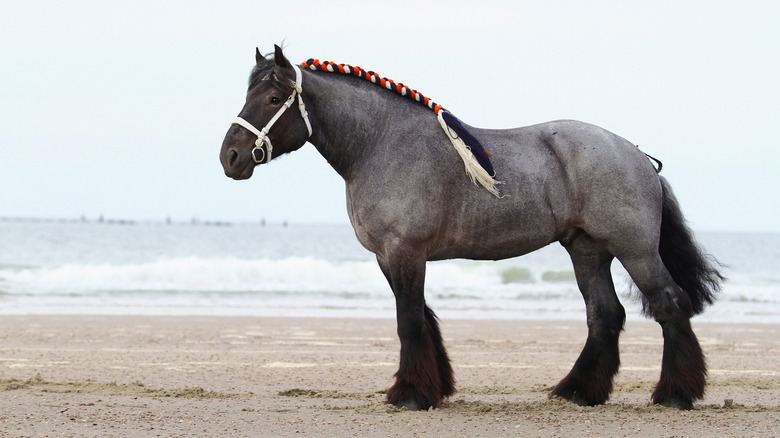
(255, 269)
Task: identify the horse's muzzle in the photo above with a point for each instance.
(236, 165)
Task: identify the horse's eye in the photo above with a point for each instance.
(275, 100)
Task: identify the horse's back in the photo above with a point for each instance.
(578, 147)
(579, 175)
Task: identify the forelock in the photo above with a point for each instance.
(269, 71)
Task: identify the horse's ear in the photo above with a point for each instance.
(279, 58)
(259, 58)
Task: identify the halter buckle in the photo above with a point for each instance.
(259, 143)
(262, 156)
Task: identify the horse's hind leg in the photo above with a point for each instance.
(425, 374)
(590, 380)
(683, 369)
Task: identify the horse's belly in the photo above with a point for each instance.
(496, 244)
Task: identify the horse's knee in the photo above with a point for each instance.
(606, 321)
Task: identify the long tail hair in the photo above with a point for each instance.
(695, 271)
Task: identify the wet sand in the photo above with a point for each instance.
(238, 376)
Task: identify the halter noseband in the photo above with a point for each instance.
(262, 136)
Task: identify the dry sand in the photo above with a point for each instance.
(234, 376)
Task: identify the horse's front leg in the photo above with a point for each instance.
(424, 375)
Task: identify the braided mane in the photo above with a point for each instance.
(403, 90)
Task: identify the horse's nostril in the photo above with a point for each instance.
(232, 156)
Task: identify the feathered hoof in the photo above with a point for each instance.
(410, 405)
(406, 397)
(568, 391)
(680, 403)
(574, 398)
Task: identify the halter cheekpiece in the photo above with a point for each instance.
(262, 135)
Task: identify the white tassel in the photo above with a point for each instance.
(473, 169)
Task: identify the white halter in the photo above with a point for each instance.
(262, 136)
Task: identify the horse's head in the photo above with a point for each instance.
(264, 129)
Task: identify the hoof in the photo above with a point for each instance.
(676, 403)
(573, 398)
(567, 391)
(411, 400)
(410, 405)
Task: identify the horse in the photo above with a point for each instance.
(409, 202)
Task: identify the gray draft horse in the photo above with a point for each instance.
(410, 202)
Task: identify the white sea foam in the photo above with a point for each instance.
(196, 275)
(314, 270)
(478, 281)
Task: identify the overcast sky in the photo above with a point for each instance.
(119, 108)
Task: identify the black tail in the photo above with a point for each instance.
(695, 271)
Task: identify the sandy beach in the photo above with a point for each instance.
(240, 376)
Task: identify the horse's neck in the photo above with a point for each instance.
(350, 118)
